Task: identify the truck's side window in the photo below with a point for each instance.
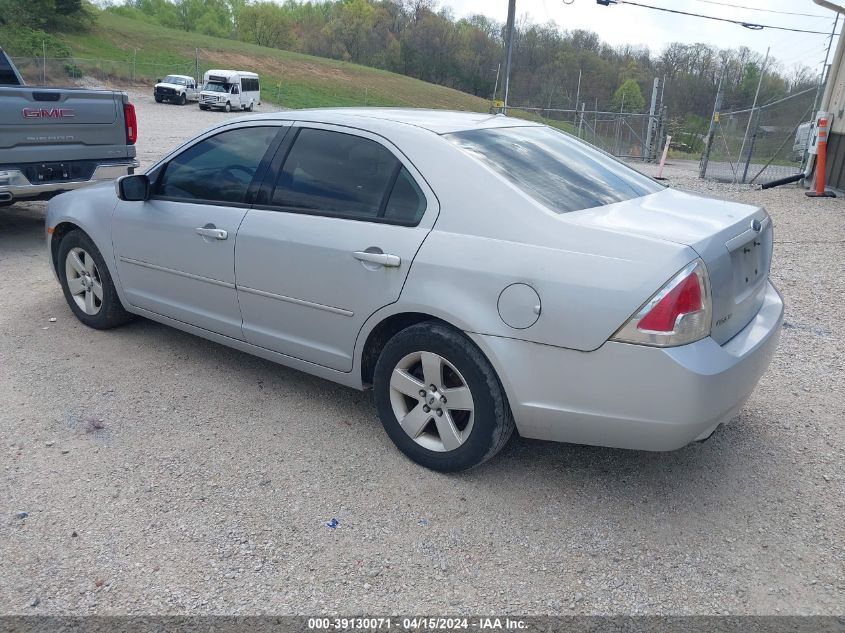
(217, 169)
(7, 75)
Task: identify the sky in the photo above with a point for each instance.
(625, 24)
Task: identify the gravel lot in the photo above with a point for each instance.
(149, 471)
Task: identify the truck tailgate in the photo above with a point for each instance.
(50, 124)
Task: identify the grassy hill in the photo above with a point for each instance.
(289, 79)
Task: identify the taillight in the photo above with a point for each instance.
(679, 313)
(131, 123)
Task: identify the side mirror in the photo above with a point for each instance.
(158, 81)
(133, 188)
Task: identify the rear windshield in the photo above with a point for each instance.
(554, 168)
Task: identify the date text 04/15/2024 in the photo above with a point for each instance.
(417, 624)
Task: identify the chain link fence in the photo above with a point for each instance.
(40, 71)
(761, 144)
(623, 134)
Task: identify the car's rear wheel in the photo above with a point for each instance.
(439, 398)
(87, 284)
(249, 107)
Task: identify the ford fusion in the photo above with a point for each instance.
(480, 273)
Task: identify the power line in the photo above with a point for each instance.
(737, 6)
(748, 25)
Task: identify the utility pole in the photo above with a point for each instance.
(509, 46)
(496, 86)
(717, 106)
(753, 106)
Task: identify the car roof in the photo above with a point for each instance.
(437, 121)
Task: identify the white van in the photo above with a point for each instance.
(230, 90)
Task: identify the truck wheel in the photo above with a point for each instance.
(227, 107)
(183, 99)
(439, 398)
(87, 284)
(202, 107)
(158, 99)
(249, 107)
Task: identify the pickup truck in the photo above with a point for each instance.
(57, 139)
(176, 89)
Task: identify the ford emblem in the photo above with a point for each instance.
(756, 225)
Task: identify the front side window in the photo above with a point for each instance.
(557, 170)
(336, 174)
(217, 169)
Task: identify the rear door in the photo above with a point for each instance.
(339, 220)
(176, 251)
(50, 124)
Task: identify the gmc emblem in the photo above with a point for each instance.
(44, 113)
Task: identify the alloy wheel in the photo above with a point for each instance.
(83, 281)
(432, 401)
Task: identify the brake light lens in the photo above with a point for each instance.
(131, 123)
(679, 313)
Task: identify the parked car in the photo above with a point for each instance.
(179, 89)
(478, 272)
(230, 90)
(58, 139)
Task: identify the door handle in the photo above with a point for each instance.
(383, 259)
(217, 234)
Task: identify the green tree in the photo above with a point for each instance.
(628, 97)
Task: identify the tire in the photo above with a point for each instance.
(158, 99)
(475, 431)
(249, 107)
(227, 107)
(183, 99)
(106, 312)
(202, 107)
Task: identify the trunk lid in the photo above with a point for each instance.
(49, 124)
(734, 240)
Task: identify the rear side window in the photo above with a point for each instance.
(217, 169)
(557, 170)
(406, 203)
(336, 174)
(249, 84)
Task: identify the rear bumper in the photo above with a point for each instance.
(14, 185)
(633, 396)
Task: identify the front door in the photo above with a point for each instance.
(176, 251)
(338, 223)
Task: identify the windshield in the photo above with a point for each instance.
(556, 169)
(216, 87)
(172, 79)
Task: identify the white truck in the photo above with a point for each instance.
(230, 90)
(176, 89)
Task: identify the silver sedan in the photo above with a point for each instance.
(480, 273)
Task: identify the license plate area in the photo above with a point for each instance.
(749, 268)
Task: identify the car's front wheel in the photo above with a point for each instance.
(228, 107)
(87, 284)
(183, 99)
(439, 398)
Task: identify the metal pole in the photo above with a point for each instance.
(509, 45)
(581, 120)
(751, 146)
(578, 92)
(652, 121)
(43, 63)
(753, 105)
(197, 65)
(496, 86)
(717, 105)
